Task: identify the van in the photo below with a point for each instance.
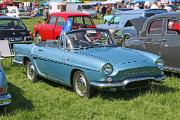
(81, 7)
(13, 11)
(57, 7)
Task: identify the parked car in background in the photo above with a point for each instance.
(13, 11)
(14, 30)
(117, 23)
(114, 12)
(89, 58)
(5, 97)
(130, 14)
(160, 35)
(51, 29)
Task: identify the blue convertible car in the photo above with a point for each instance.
(88, 58)
(5, 98)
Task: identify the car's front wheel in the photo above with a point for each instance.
(31, 72)
(81, 85)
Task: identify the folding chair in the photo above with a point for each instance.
(5, 51)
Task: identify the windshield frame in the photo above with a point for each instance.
(69, 45)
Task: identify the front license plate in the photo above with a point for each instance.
(15, 39)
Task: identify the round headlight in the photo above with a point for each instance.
(107, 69)
(160, 63)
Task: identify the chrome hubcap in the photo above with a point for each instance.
(30, 71)
(80, 84)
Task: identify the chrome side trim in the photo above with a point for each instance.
(5, 100)
(126, 81)
(17, 62)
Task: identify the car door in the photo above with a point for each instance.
(170, 46)
(154, 36)
(48, 58)
(48, 28)
(58, 27)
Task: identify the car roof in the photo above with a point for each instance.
(8, 17)
(69, 14)
(168, 15)
(171, 15)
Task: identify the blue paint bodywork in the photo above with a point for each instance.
(5, 98)
(58, 63)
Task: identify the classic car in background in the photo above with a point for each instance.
(117, 23)
(127, 14)
(89, 58)
(5, 98)
(51, 29)
(160, 35)
(14, 30)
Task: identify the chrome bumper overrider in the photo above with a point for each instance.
(5, 100)
(126, 82)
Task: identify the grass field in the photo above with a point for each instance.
(46, 100)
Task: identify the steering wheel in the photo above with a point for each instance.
(83, 45)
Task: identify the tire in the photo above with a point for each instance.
(31, 72)
(38, 37)
(81, 85)
(126, 37)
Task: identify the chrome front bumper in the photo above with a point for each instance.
(126, 82)
(5, 100)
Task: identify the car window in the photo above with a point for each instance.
(11, 24)
(115, 20)
(78, 21)
(52, 20)
(156, 27)
(60, 21)
(173, 26)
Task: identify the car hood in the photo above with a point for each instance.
(123, 58)
(107, 26)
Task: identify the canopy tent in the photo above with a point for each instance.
(73, 1)
(109, 2)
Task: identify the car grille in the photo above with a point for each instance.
(137, 72)
(137, 84)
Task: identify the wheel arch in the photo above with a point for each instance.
(25, 60)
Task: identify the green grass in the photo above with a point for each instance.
(46, 100)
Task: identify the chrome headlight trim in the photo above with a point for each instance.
(160, 63)
(107, 69)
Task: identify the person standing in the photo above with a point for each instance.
(45, 13)
(103, 11)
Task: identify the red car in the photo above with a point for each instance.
(51, 29)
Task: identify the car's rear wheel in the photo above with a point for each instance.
(81, 85)
(31, 72)
(126, 37)
(38, 37)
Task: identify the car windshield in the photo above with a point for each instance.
(91, 38)
(11, 24)
(87, 7)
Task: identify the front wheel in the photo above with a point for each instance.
(31, 72)
(81, 85)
